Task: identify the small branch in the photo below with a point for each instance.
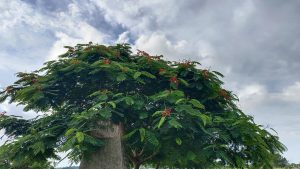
(142, 151)
(62, 159)
(133, 153)
(149, 157)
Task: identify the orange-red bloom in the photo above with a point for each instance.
(174, 79)
(161, 70)
(224, 94)
(167, 112)
(205, 74)
(106, 61)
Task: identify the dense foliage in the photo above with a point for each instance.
(173, 113)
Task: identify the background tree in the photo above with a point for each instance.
(169, 114)
(280, 161)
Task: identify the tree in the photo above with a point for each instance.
(280, 161)
(100, 102)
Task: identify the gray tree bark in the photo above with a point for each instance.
(110, 156)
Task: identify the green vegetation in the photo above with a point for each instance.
(174, 114)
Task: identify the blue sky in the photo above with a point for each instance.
(254, 43)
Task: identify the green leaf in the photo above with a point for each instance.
(95, 94)
(104, 66)
(142, 134)
(161, 121)
(38, 147)
(80, 136)
(179, 100)
(218, 73)
(183, 81)
(137, 74)
(127, 136)
(205, 119)
(191, 156)
(93, 141)
(151, 138)
(197, 104)
(174, 123)
(105, 113)
(121, 77)
(178, 141)
(103, 97)
(118, 94)
(163, 94)
(178, 93)
(143, 115)
(113, 104)
(129, 100)
(147, 74)
(70, 131)
(157, 113)
(118, 64)
(173, 86)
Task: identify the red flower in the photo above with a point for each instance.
(106, 61)
(34, 80)
(174, 79)
(224, 94)
(166, 112)
(9, 89)
(161, 70)
(205, 74)
(2, 113)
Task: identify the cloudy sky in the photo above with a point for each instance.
(254, 43)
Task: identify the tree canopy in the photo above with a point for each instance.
(173, 114)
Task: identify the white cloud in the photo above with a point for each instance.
(70, 31)
(158, 44)
(138, 16)
(13, 109)
(243, 13)
(22, 26)
(292, 93)
(279, 110)
(83, 33)
(15, 12)
(123, 37)
(254, 95)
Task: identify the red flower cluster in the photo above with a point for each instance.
(34, 80)
(166, 112)
(2, 113)
(205, 74)
(161, 70)
(174, 80)
(106, 61)
(223, 93)
(9, 89)
(142, 53)
(186, 64)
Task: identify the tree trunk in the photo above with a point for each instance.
(136, 166)
(110, 156)
(157, 166)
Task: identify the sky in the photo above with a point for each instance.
(254, 43)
